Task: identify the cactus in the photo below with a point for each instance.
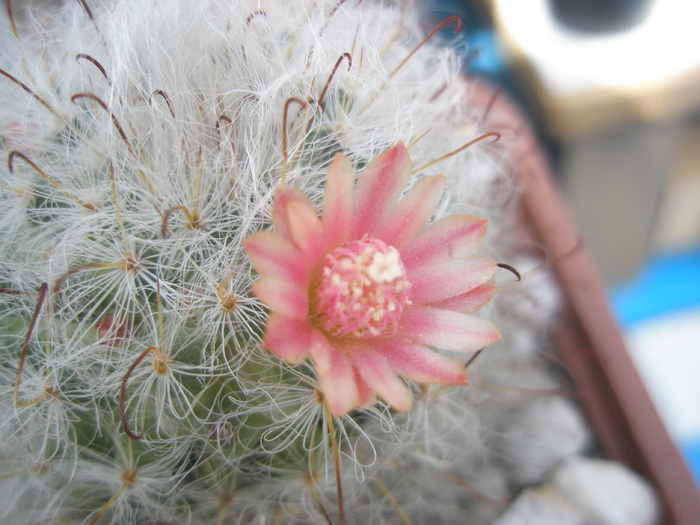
(148, 150)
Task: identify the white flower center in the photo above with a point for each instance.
(362, 290)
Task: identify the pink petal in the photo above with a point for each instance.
(288, 338)
(435, 282)
(337, 202)
(421, 364)
(379, 376)
(280, 221)
(452, 237)
(336, 377)
(447, 330)
(470, 301)
(274, 256)
(365, 393)
(283, 296)
(306, 229)
(295, 218)
(378, 188)
(413, 212)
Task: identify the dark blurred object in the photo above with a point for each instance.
(614, 106)
(600, 16)
(606, 382)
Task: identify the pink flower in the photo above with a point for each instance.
(370, 289)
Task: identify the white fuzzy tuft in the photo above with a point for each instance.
(141, 148)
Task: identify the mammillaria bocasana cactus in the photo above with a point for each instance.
(237, 245)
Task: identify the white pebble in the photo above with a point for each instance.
(608, 492)
(541, 506)
(539, 435)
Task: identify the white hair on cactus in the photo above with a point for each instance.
(144, 143)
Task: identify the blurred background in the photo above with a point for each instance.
(613, 89)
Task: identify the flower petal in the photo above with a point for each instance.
(435, 282)
(413, 212)
(365, 393)
(336, 376)
(283, 296)
(470, 301)
(280, 220)
(378, 188)
(446, 329)
(288, 338)
(272, 255)
(379, 376)
(421, 364)
(337, 202)
(295, 218)
(306, 229)
(452, 237)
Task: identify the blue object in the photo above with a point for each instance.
(667, 284)
(482, 55)
(487, 60)
(691, 453)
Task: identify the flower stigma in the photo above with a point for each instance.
(362, 290)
